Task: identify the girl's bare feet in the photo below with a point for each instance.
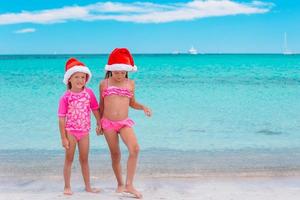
(130, 189)
(68, 191)
(92, 190)
(120, 189)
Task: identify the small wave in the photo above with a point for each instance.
(196, 130)
(269, 132)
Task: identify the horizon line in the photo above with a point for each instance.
(213, 53)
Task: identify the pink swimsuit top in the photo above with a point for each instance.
(113, 90)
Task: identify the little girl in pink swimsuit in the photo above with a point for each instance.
(74, 113)
(116, 96)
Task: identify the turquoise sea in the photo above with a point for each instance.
(204, 107)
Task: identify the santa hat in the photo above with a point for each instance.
(73, 66)
(120, 59)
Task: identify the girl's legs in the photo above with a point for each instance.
(112, 140)
(69, 157)
(83, 147)
(128, 136)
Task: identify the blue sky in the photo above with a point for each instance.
(148, 26)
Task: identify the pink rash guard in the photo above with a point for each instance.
(76, 107)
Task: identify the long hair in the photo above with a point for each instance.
(109, 74)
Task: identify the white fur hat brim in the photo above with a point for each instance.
(121, 67)
(75, 69)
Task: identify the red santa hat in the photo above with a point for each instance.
(120, 59)
(73, 66)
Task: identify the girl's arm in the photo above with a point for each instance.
(97, 116)
(94, 106)
(63, 134)
(136, 105)
(95, 109)
(101, 103)
(100, 110)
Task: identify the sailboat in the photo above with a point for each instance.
(192, 51)
(286, 51)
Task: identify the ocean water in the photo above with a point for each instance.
(200, 103)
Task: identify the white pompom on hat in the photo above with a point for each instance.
(73, 66)
(120, 59)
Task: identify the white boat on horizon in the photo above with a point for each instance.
(192, 51)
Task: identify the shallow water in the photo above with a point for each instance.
(203, 102)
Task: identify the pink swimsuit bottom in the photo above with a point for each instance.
(78, 134)
(116, 125)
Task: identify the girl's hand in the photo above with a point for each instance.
(147, 111)
(65, 143)
(99, 130)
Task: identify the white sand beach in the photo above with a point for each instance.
(206, 188)
(234, 176)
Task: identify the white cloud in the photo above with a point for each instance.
(25, 30)
(259, 3)
(138, 12)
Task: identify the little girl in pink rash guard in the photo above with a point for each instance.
(76, 107)
(74, 115)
